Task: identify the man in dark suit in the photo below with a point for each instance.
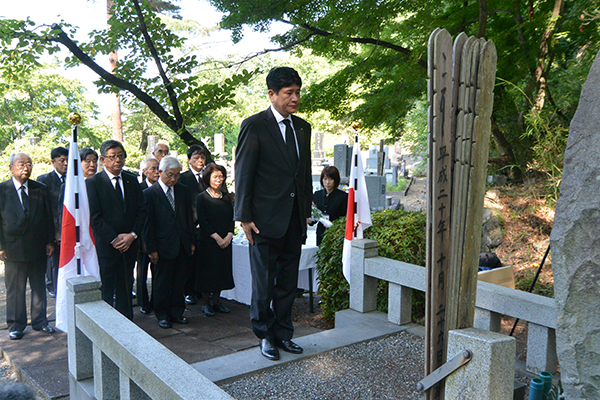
(54, 181)
(149, 170)
(192, 178)
(117, 214)
(272, 201)
(169, 236)
(26, 241)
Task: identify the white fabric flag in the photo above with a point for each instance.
(70, 248)
(358, 216)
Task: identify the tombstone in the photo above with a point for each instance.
(152, 140)
(319, 153)
(34, 140)
(373, 157)
(341, 159)
(376, 190)
(575, 247)
(219, 142)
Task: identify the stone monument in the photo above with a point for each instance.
(319, 153)
(575, 243)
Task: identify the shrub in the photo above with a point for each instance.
(401, 236)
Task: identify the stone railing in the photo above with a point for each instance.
(112, 358)
(493, 301)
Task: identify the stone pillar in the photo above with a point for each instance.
(487, 320)
(363, 289)
(129, 390)
(340, 158)
(106, 376)
(319, 153)
(490, 375)
(80, 290)
(541, 349)
(399, 304)
(575, 243)
(219, 145)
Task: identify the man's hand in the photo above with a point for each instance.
(2, 255)
(123, 241)
(248, 228)
(193, 249)
(49, 250)
(154, 256)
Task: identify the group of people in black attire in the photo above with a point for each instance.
(183, 233)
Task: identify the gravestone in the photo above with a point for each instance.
(219, 145)
(374, 155)
(319, 153)
(341, 158)
(152, 140)
(575, 243)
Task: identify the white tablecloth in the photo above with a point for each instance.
(242, 277)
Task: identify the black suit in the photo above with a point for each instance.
(277, 198)
(24, 237)
(170, 233)
(143, 261)
(195, 186)
(55, 189)
(111, 216)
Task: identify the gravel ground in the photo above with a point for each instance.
(387, 368)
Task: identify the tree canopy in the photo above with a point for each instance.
(544, 53)
(152, 68)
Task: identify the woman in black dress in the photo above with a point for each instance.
(215, 217)
(332, 201)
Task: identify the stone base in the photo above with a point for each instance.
(491, 372)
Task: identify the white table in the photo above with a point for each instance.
(241, 270)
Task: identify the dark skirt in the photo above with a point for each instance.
(215, 270)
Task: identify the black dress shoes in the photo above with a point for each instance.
(45, 329)
(145, 310)
(220, 308)
(191, 299)
(289, 346)
(16, 335)
(208, 310)
(180, 320)
(268, 349)
(163, 323)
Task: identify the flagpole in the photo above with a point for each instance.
(75, 120)
(356, 125)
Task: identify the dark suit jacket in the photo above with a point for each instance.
(24, 238)
(188, 179)
(108, 219)
(165, 230)
(265, 183)
(55, 186)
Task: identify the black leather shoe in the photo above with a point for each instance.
(180, 320)
(268, 349)
(45, 329)
(163, 323)
(191, 299)
(16, 335)
(208, 310)
(289, 346)
(220, 308)
(145, 310)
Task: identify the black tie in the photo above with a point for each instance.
(24, 199)
(290, 143)
(62, 179)
(170, 197)
(118, 190)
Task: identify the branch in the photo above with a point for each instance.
(144, 97)
(377, 42)
(161, 71)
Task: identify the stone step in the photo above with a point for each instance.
(351, 327)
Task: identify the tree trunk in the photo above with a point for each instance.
(116, 103)
(506, 152)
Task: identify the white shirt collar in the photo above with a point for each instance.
(111, 176)
(57, 174)
(278, 116)
(165, 187)
(18, 184)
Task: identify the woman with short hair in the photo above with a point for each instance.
(332, 201)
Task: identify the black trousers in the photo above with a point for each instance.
(168, 286)
(15, 278)
(116, 274)
(143, 262)
(274, 267)
(52, 269)
(191, 272)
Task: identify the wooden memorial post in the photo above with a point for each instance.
(460, 97)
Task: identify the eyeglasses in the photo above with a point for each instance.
(21, 165)
(219, 177)
(116, 157)
(161, 151)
